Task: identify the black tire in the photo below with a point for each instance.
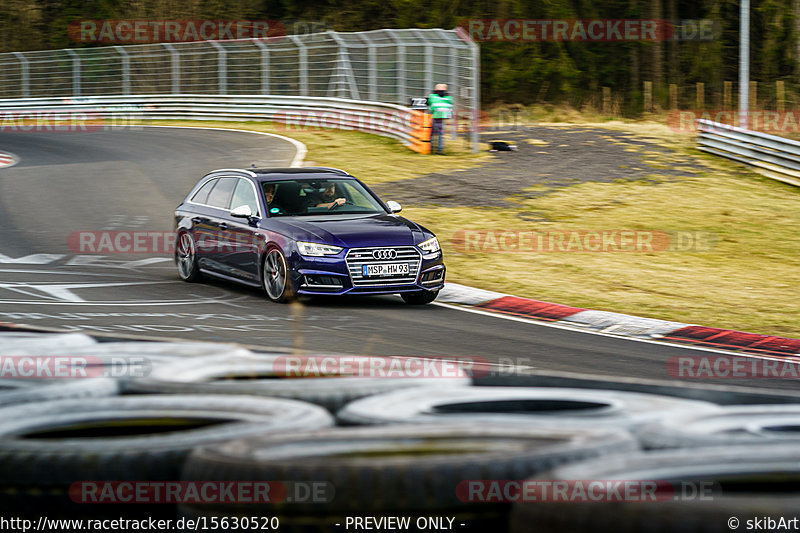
(186, 258)
(400, 470)
(731, 426)
(419, 297)
(743, 482)
(275, 277)
(124, 437)
(46, 447)
(540, 407)
(266, 375)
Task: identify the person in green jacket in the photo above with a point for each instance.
(440, 105)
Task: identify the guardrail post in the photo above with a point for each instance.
(744, 60)
(400, 71)
(176, 67)
(476, 92)
(401, 74)
(454, 89)
(76, 72)
(25, 75)
(303, 65)
(222, 67)
(126, 69)
(343, 67)
(372, 69)
(264, 65)
(428, 62)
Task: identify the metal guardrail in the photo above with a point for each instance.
(296, 112)
(388, 66)
(770, 155)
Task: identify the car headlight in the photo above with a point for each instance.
(314, 249)
(430, 246)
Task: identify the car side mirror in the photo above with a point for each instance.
(243, 211)
(393, 206)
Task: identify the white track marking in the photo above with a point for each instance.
(33, 259)
(299, 156)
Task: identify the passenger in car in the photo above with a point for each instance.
(269, 193)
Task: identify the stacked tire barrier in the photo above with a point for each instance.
(147, 427)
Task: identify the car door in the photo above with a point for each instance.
(203, 230)
(216, 239)
(242, 235)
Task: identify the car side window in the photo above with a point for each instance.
(221, 194)
(201, 196)
(244, 194)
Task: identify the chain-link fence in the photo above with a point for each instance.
(390, 66)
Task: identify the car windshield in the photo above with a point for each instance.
(303, 197)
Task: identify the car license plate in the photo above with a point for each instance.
(385, 269)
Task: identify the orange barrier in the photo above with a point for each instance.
(421, 123)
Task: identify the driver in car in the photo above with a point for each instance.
(329, 197)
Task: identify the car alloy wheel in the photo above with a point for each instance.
(186, 258)
(276, 277)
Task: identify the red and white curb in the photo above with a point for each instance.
(619, 324)
(7, 160)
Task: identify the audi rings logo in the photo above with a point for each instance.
(386, 253)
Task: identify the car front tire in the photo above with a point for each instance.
(419, 297)
(275, 277)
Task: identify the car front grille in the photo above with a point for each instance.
(358, 257)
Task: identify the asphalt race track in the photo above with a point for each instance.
(132, 179)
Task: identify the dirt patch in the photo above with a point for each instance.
(547, 159)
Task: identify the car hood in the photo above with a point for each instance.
(352, 231)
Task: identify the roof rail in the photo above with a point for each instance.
(300, 170)
(336, 170)
(242, 170)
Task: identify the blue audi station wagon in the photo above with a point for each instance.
(310, 231)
